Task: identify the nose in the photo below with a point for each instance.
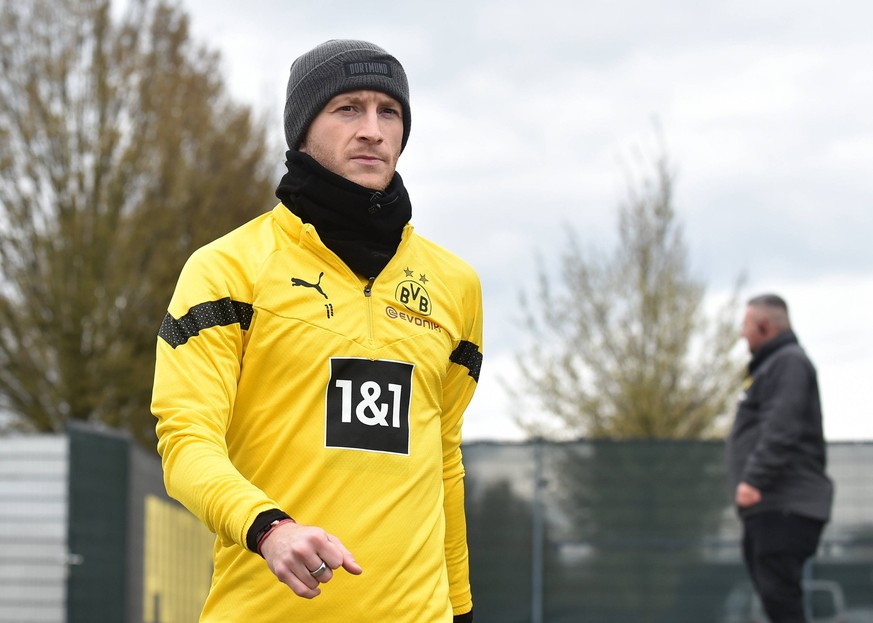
(370, 127)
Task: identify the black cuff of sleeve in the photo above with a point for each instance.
(463, 618)
(260, 525)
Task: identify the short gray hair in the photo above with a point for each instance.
(775, 306)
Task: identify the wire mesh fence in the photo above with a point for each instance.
(638, 532)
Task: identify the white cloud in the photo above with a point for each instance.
(523, 113)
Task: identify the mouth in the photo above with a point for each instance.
(367, 159)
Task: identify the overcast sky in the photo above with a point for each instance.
(524, 113)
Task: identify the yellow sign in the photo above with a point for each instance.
(178, 563)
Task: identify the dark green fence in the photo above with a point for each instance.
(588, 532)
(98, 531)
(636, 532)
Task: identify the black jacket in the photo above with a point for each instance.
(776, 443)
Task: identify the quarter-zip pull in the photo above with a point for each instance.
(375, 200)
(369, 287)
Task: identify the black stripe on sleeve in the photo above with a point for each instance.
(467, 354)
(220, 313)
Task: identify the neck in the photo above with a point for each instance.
(362, 226)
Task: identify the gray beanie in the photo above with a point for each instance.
(339, 66)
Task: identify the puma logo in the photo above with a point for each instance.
(317, 285)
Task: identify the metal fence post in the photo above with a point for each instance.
(537, 536)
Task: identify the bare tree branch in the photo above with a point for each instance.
(122, 153)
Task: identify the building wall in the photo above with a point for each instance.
(34, 560)
(88, 534)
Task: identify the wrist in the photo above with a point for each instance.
(269, 530)
(260, 526)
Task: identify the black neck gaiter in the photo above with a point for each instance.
(360, 225)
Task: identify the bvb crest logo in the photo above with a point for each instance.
(412, 295)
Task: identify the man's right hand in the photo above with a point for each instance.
(747, 495)
(294, 551)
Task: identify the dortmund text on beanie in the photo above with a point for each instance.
(339, 66)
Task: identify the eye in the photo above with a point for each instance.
(390, 112)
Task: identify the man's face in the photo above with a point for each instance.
(754, 329)
(358, 135)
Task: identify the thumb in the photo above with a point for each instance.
(351, 566)
(349, 563)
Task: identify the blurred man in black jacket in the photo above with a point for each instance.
(776, 460)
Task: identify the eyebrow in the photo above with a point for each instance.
(352, 98)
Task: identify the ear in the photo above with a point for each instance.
(762, 328)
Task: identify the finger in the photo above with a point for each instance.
(295, 572)
(348, 560)
(323, 573)
(332, 553)
(303, 571)
(350, 565)
(300, 588)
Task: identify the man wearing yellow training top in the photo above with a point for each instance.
(312, 373)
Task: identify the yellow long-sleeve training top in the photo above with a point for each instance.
(284, 380)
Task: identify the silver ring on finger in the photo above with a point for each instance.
(320, 571)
